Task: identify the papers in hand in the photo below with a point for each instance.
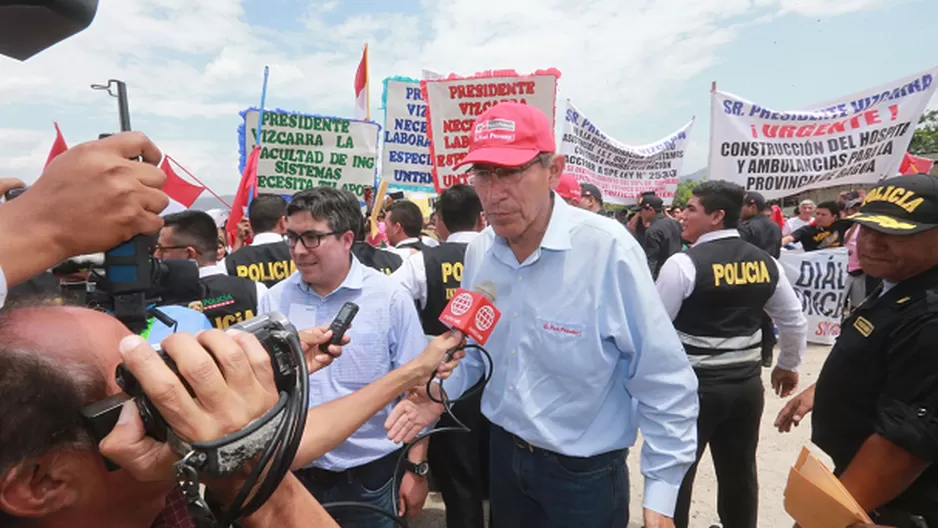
(815, 498)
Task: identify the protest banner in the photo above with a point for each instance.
(405, 161)
(454, 103)
(819, 279)
(622, 172)
(853, 140)
(300, 151)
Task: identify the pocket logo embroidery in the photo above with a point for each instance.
(561, 329)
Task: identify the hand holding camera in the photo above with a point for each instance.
(231, 376)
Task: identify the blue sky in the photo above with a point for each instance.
(638, 69)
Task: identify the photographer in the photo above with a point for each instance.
(51, 473)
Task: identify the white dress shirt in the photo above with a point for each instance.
(219, 269)
(266, 238)
(413, 272)
(406, 252)
(679, 276)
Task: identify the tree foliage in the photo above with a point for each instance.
(925, 139)
(683, 193)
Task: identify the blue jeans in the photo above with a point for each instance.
(370, 484)
(535, 487)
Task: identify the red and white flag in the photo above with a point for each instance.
(58, 146)
(247, 190)
(181, 193)
(361, 87)
(915, 165)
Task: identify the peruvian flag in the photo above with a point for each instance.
(915, 165)
(58, 146)
(181, 193)
(361, 87)
(247, 190)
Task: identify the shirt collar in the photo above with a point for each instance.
(212, 269)
(406, 241)
(354, 280)
(716, 235)
(462, 237)
(266, 238)
(557, 236)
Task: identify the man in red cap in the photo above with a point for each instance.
(584, 353)
(568, 189)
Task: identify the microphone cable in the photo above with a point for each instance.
(460, 427)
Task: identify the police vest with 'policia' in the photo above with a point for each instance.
(263, 271)
(740, 273)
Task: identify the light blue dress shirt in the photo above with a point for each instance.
(385, 334)
(584, 353)
(187, 320)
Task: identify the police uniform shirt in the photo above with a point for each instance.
(882, 377)
(266, 260)
(763, 233)
(409, 246)
(239, 309)
(412, 275)
(379, 259)
(661, 240)
(678, 278)
(813, 237)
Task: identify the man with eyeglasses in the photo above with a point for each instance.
(227, 300)
(584, 353)
(320, 230)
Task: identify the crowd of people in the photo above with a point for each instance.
(661, 322)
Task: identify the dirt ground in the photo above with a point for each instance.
(777, 452)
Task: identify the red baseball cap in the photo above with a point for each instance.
(567, 187)
(509, 135)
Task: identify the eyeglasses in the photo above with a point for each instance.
(482, 176)
(309, 239)
(164, 249)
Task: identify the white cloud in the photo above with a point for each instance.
(190, 66)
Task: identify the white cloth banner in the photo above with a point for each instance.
(405, 161)
(857, 139)
(622, 172)
(299, 152)
(819, 279)
(455, 102)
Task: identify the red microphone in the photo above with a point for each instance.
(472, 312)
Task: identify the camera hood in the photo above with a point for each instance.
(30, 26)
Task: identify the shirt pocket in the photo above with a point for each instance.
(365, 359)
(561, 345)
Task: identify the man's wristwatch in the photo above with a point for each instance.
(421, 469)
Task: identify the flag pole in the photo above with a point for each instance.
(260, 124)
(207, 188)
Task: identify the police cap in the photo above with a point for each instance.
(904, 205)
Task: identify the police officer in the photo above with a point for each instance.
(404, 221)
(662, 236)
(375, 258)
(759, 230)
(875, 402)
(227, 300)
(716, 293)
(267, 259)
(457, 460)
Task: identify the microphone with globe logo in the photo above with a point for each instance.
(473, 312)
